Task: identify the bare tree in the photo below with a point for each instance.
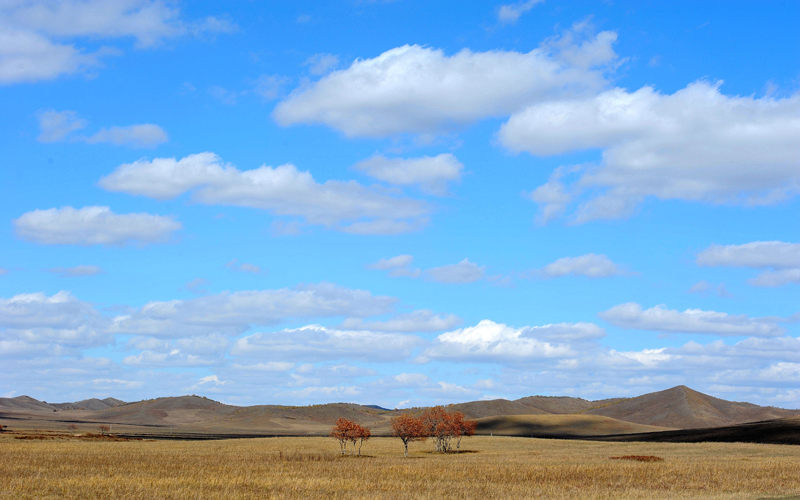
(104, 429)
(408, 429)
(72, 428)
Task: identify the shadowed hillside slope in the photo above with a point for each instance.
(779, 431)
(684, 408)
(559, 426)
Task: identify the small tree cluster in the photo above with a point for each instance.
(436, 423)
(346, 431)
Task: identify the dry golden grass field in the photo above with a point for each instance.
(66, 467)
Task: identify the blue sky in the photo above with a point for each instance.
(399, 203)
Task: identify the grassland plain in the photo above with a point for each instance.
(310, 468)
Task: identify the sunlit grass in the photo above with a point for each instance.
(493, 468)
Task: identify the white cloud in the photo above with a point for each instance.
(314, 342)
(58, 323)
(510, 13)
(392, 263)
(704, 287)
(29, 29)
(234, 312)
(661, 319)
(496, 342)
(414, 89)
(783, 258)
(756, 254)
(269, 86)
(56, 126)
(319, 64)
(430, 173)
(244, 267)
(463, 272)
(423, 320)
(589, 265)
(145, 135)
(345, 206)
(26, 56)
(93, 226)
(82, 270)
(778, 278)
(695, 145)
(272, 366)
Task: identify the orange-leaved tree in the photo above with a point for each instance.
(408, 429)
(341, 432)
(348, 431)
(443, 426)
(463, 427)
(363, 434)
(439, 426)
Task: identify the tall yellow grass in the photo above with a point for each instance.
(309, 468)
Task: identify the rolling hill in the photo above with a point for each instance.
(658, 415)
(684, 408)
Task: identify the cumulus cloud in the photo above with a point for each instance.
(315, 342)
(93, 226)
(423, 320)
(496, 342)
(420, 90)
(782, 258)
(82, 270)
(463, 272)
(756, 254)
(430, 173)
(511, 13)
(695, 145)
(37, 39)
(57, 126)
(234, 312)
(56, 324)
(342, 205)
(660, 319)
(589, 265)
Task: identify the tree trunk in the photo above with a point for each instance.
(406, 452)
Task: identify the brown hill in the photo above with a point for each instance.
(480, 409)
(563, 405)
(90, 404)
(684, 408)
(25, 403)
(559, 426)
(306, 420)
(181, 410)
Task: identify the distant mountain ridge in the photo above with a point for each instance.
(676, 408)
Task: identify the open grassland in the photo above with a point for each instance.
(492, 468)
